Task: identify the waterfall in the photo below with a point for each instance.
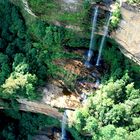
(91, 46)
(103, 40)
(121, 3)
(63, 129)
(97, 83)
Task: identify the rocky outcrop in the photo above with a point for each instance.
(58, 97)
(37, 107)
(128, 34)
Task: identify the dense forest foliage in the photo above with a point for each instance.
(27, 62)
(27, 54)
(113, 112)
(19, 65)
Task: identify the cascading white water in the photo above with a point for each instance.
(63, 129)
(91, 46)
(121, 2)
(97, 83)
(103, 40)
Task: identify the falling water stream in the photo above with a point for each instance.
(91, 46)
(64, 121)
(103, 40)
(87, 63)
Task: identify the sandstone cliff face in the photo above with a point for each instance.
(128, 34)
(38, 107)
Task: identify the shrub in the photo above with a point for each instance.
(116, 15)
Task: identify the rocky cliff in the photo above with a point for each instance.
(127, 35)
